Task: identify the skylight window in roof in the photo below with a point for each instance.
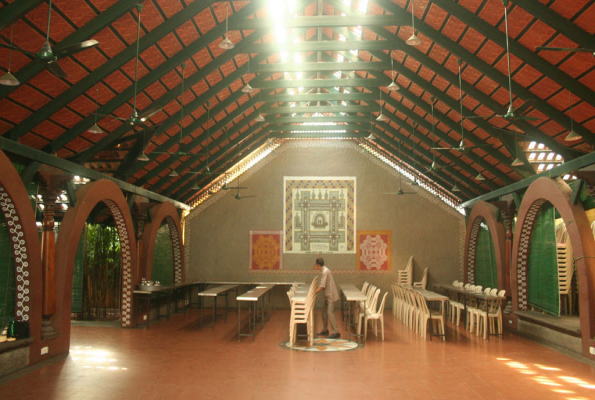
(541, 156)
(338, 74)
(550, 166)
(541, 167)
(363, 6)
(532, 145)
(541, 146)
(550, 157)
(347, 2)
(532, 156)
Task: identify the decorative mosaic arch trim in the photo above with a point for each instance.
(176, 243)
(473, 251)
(337, 144)
(523, 253)
(20, 252)
(126, 316)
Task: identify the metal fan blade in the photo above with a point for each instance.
(75, 48)
(570, 50)
(482, 116)
(57, 70)
(519, 134)
(109, 116)
(15, 48)
(444, 148)
(246, 197)
(525, 107)
(527, 118)
(146, 114)
(479, 145)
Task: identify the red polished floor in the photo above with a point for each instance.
(175, 360)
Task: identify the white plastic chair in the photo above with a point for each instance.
(424, 280)
(376, 315)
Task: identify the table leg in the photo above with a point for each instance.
(148, 310)
(238, 312)
(201, 311)
(225, 315)
(214, 312)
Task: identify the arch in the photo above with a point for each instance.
(558, 194)
(69, 236)
(26, 249)
(488, 212)
(159, 213)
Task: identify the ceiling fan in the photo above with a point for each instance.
(136, 118)
(512, 114)
(225, 185)
(566, 49)
(48, 56)
(238, 196)
(462, 146)
(400, 192)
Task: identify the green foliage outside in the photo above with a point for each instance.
(7, 280)
(163, 258)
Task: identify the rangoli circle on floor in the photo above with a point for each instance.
(322, 345)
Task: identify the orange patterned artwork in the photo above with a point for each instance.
(373, 250)
(266, 253)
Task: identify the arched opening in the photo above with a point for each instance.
(163, 257)
(20, 265)
(97, 277)
(163, 232)
(485, 247)
(537, 217)
(87, 198)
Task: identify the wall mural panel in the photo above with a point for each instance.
(319, 215)
(373, 250)
(266, 251)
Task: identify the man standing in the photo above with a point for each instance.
(331, 295)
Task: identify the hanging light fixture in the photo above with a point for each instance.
(9, 79)
(455, 188)
(173, 173)
(572, 136)
(480, 177)
(371, 136)
(143, 157)
(226, 44)
(248, 88)
(259, 117)
(517, 162)
(413, 40)
(381, 117)
(393, 85)
(96, 129)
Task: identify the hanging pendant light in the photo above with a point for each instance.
(393, 85)
(572, 136)
(248, 88)
(226, 44)
(517, 162)
(9, 79)
(173, 173)
(143, 157)
(381, 117)
(195, 186)
(455, 188)
(480, 177)
(371, 136)
(96, 129)
(259, 118)
(414, 40)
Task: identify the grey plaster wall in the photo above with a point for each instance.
(217, 238)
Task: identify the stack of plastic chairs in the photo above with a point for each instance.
(302, 313)
(405, 276)
(565, 272)
(455, 306)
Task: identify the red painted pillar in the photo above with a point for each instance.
(48, 266)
